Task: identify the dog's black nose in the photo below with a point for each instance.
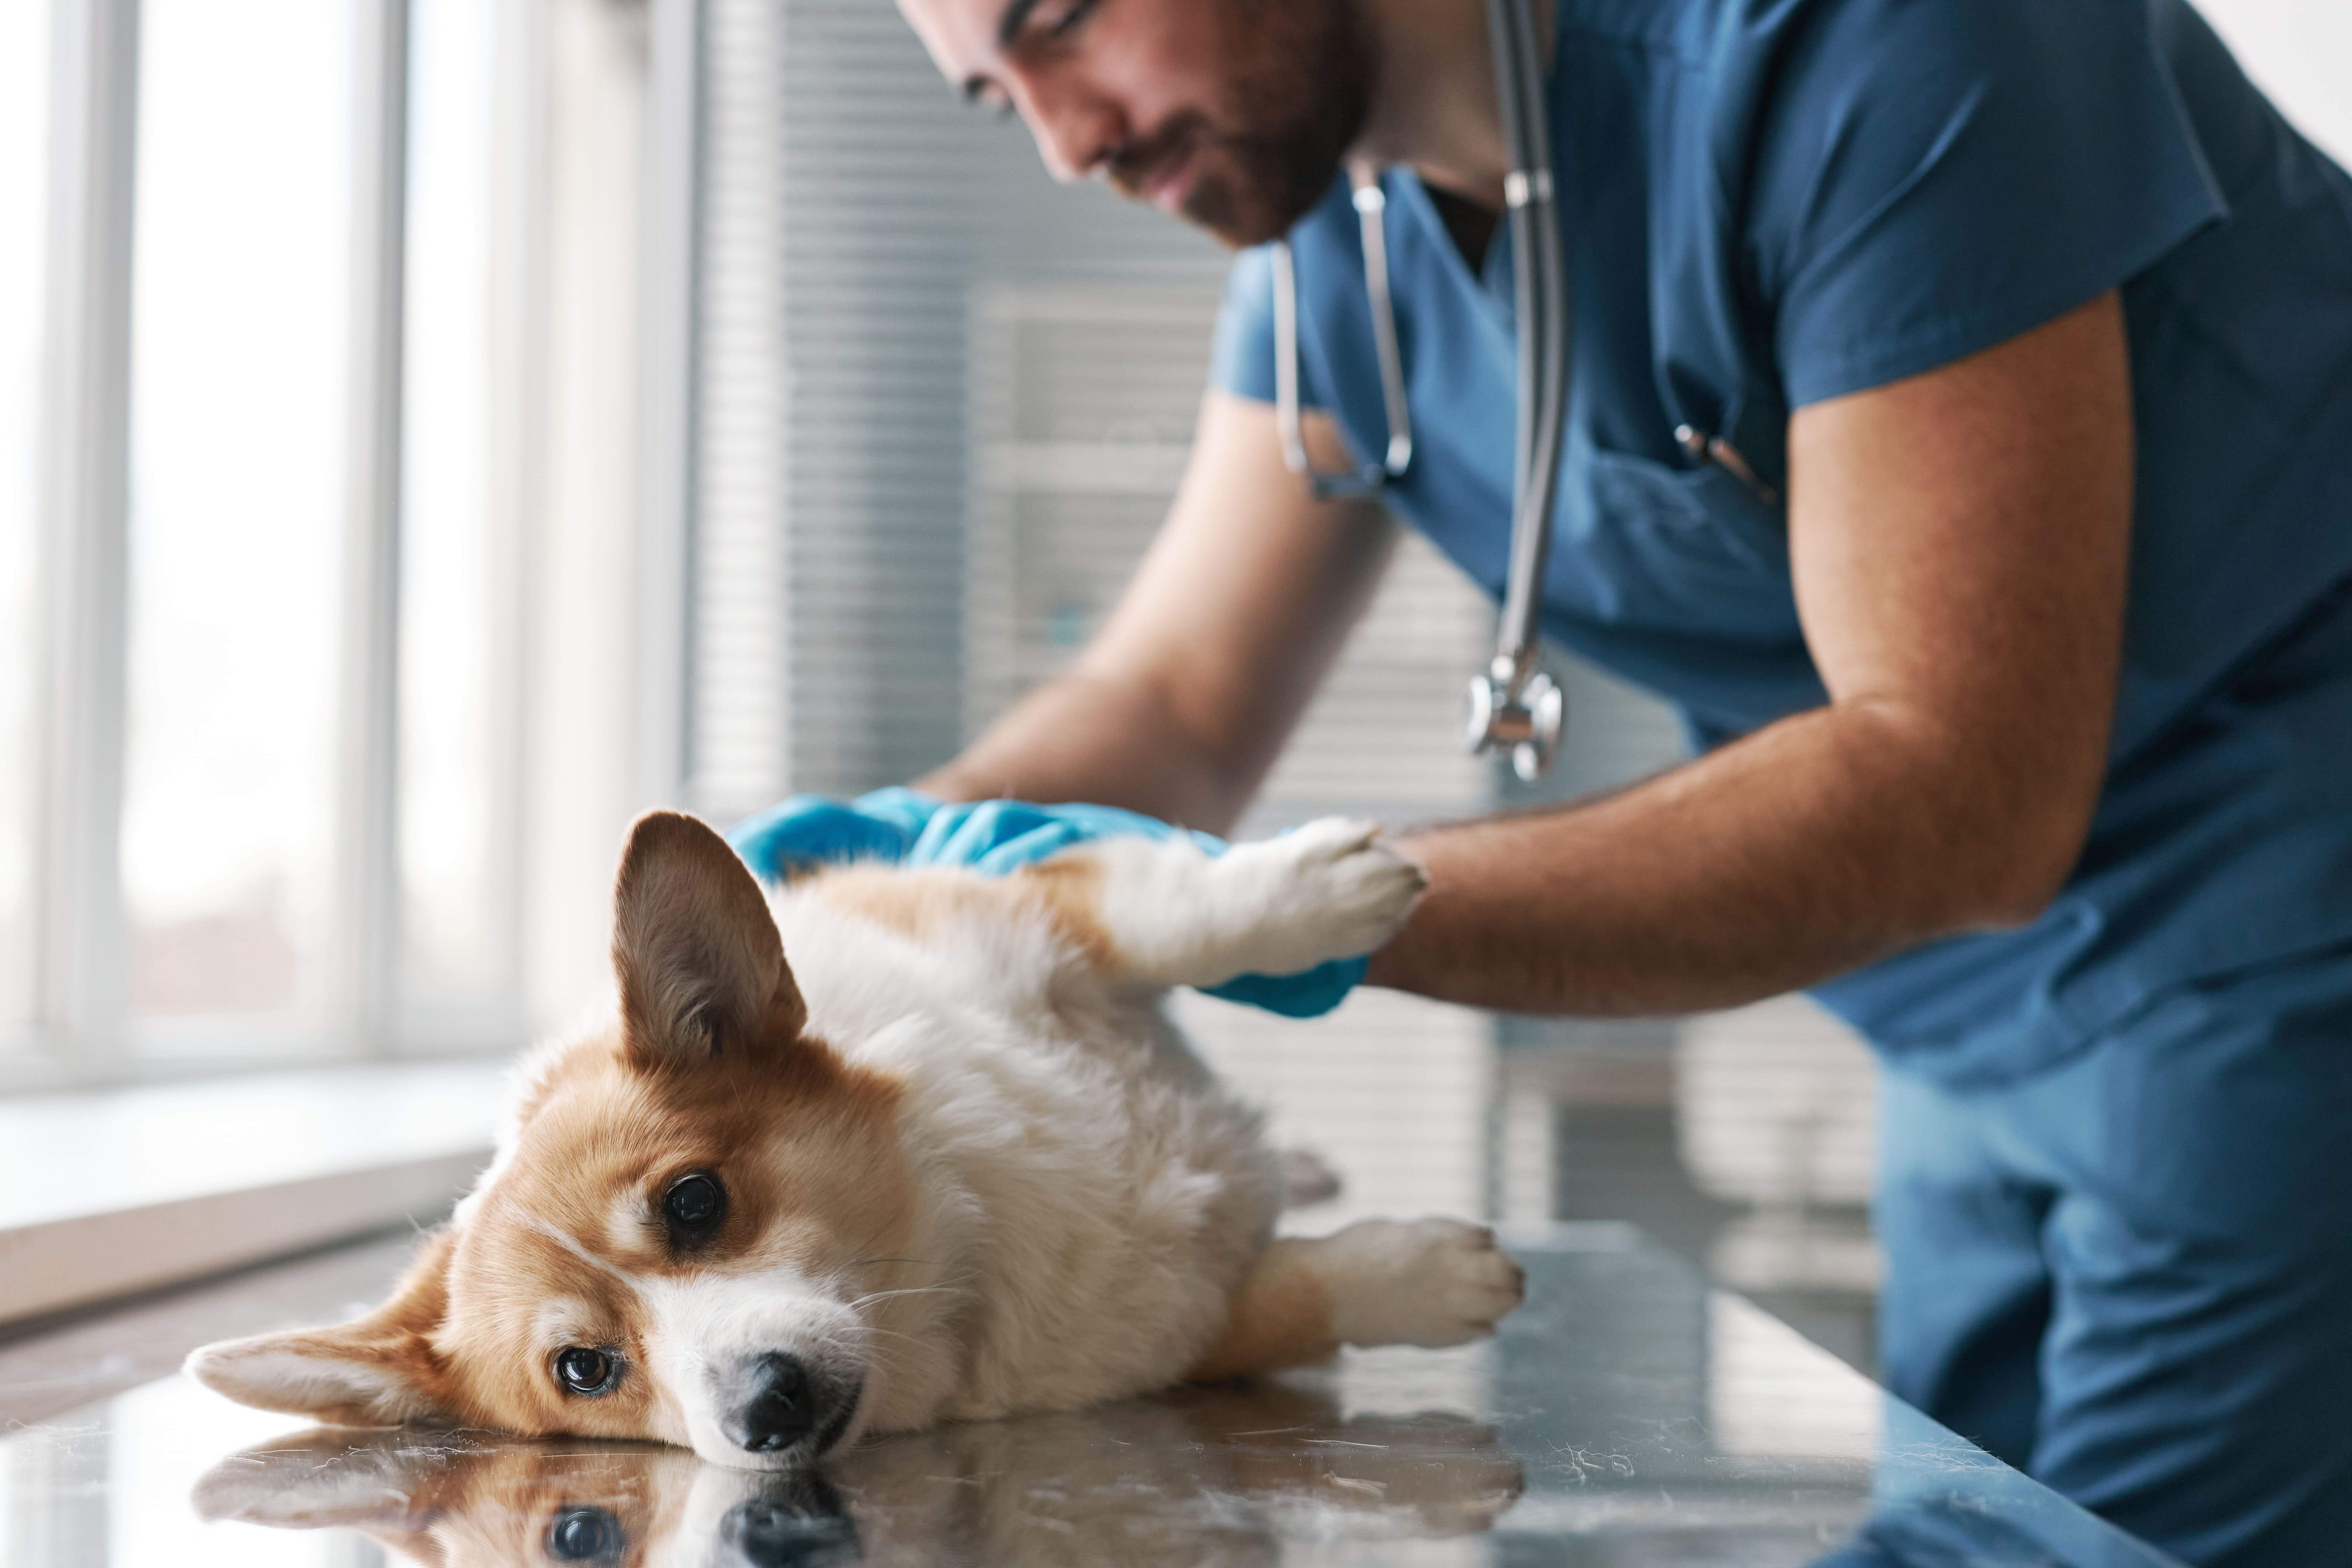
(779, 1409)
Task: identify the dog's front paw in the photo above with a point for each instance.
(1429, 1282)
(1330, 890)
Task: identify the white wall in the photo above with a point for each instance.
(2301, 53)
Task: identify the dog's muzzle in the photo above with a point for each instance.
(782, 1403)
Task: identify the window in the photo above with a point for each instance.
(24, 198)
(459, 556)
(272, 436)
(239, 378)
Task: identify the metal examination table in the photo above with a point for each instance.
(1628, 1415)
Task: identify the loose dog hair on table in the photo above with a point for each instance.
(951, 1160)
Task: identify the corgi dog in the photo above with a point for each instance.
(950, 1162)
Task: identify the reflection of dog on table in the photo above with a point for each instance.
(1216, 1477)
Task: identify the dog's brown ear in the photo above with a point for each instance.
(376, 1370)
(701, 966)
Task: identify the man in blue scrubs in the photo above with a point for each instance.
(2009, 599)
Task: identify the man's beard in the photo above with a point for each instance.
(1291, 110)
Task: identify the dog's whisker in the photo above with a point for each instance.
(909, 1291)
(894, 1334)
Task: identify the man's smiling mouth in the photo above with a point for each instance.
(1167, 188)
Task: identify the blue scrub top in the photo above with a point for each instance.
(1766, 204)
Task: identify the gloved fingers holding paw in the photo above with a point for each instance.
(999, 836)
(994, 838)
(806, 830)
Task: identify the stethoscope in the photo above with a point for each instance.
(1512, 703)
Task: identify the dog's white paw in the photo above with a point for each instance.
(1329, 890)
(1429, 1282)
(1279, 906)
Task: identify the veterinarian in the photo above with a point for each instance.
(1959, 433)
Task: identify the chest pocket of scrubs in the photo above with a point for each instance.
(1670, 549)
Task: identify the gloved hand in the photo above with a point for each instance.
(993, 837)
(805, 831)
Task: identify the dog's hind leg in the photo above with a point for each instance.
(1280, 1316)
(1429, 1282)
(1160, 912)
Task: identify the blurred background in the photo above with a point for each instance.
(432, 431)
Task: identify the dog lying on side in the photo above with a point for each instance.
(951, 1161)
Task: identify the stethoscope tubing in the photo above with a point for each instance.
(1542, 287)
(1372, 214)
(1513, 703)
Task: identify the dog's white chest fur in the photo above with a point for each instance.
(1091, 1195)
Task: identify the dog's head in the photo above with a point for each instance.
(684, 1236)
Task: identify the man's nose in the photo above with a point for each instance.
(779, 1406)
(1076, 129)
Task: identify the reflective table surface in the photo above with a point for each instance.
(1627, 1414)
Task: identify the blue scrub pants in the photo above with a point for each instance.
(2130, 1274)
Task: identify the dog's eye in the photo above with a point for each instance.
(585, 1371)
(694, 1205)
(583, 1535)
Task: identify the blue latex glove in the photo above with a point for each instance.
(805, 830)
(993, 837)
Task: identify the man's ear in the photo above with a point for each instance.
(376, 1370)
(701, 966)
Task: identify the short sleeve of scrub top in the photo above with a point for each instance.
(1241, 359)
(1931, 180)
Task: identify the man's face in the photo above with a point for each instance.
(1232, 113)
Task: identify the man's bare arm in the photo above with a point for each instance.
(1180, 706)
(1959, 542)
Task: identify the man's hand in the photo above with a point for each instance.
(1959, 542)
(803, 831)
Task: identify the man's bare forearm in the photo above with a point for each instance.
(1959, 544)
(1089, 737)
(1809, 849)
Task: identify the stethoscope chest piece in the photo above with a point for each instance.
(1524, 715)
